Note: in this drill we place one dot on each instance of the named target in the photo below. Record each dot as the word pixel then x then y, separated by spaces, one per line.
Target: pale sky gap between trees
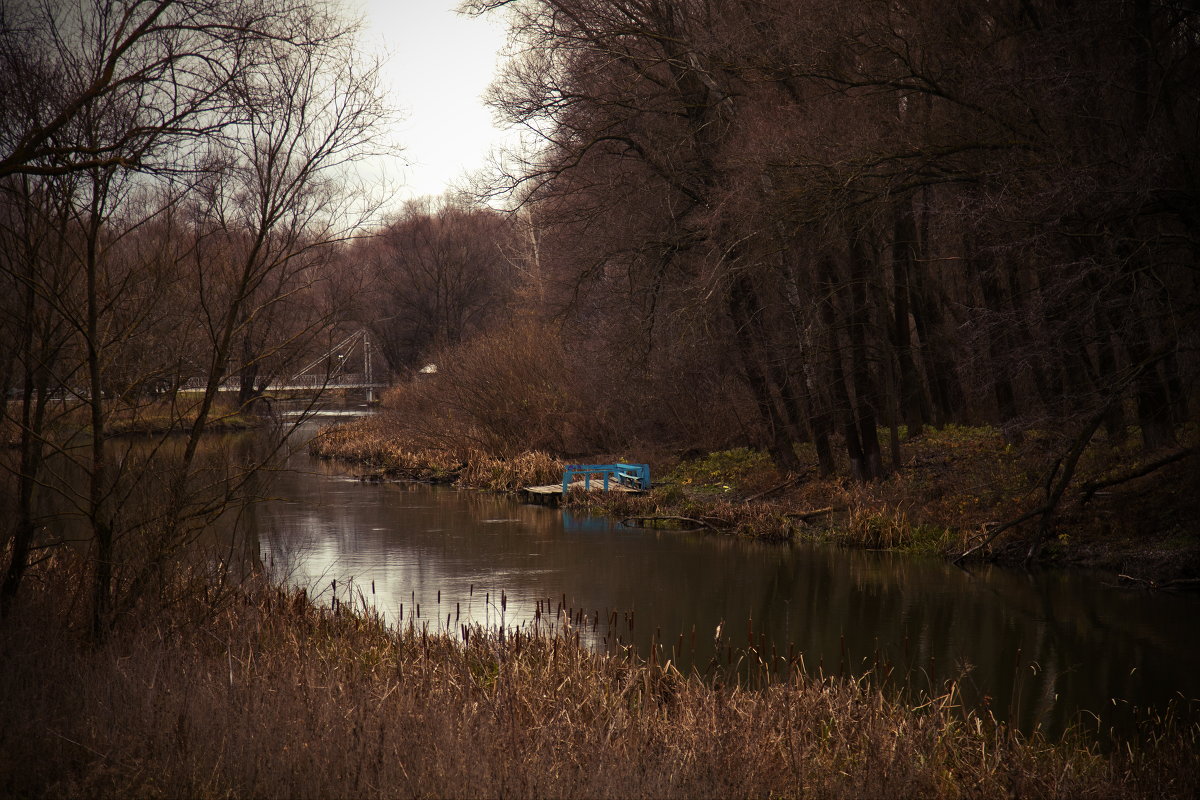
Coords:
pixel 439 64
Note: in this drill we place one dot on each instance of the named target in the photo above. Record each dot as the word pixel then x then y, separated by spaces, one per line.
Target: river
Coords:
pixel 1043 648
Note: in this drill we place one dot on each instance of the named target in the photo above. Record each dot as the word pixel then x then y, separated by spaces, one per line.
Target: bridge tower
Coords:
pixel 367 375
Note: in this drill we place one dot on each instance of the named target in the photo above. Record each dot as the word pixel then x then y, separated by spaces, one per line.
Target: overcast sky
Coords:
pixel 439 65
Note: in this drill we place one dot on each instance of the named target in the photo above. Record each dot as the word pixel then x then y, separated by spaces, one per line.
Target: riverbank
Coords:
pixel 150 419
pixel 253 690
pixel 1124 512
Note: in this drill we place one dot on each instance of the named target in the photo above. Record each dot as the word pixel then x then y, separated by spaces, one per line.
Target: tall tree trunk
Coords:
pixel 946 394
pixel 102 531
pixel 1175 390
pixel 836 376
pixel 1106 379
pixel 815 413
pixel 904 247
pixel 1000 343
pixel 1021 326
pixel 248 374
pixel 865 392
pixel 1153 404
pixel 742 307
pixel 33 405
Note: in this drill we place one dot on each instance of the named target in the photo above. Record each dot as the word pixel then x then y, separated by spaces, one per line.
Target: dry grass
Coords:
pixel 160 417
pixel 267 696
pixel 151 417
pixel 531 468
pixel 381 444
pixel 374 443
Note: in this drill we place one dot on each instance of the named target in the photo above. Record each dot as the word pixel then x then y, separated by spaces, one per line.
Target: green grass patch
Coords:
pixel 724 471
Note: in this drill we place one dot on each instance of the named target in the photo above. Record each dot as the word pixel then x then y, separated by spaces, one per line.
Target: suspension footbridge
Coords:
pixel 336 369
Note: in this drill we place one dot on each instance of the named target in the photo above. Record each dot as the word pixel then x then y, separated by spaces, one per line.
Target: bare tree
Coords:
pixel 202 171
pixel 168 63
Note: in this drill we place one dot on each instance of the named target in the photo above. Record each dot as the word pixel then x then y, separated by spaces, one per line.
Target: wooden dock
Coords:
pixel 552 494
pixel 620 477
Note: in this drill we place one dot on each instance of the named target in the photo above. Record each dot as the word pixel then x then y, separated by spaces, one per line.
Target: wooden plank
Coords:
pixel 597 486
pixel 553 491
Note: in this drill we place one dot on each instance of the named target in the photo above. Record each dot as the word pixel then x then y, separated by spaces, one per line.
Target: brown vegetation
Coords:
pixel 438 274
pixel 1124 511
pixel 907 275
pixel 369 442
pixel 256 692
pixel 958 485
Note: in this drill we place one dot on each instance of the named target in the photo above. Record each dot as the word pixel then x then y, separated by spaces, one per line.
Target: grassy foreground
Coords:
pixel 255 692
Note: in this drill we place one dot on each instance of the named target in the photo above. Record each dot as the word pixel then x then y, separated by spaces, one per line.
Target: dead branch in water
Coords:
pixel 1124 579
pixel 637 521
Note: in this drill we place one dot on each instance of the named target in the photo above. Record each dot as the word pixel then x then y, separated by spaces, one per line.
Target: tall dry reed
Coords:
pixel 529 468
pixel 266 695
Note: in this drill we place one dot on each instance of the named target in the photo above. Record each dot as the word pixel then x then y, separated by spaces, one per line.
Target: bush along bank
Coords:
pixel 262 691
pixel 958 490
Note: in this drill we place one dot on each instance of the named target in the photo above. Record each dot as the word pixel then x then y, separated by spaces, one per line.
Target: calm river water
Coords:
pixel 1043 646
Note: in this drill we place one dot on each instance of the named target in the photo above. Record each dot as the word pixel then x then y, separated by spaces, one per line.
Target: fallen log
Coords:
pixel 1091 487
pixel 1058 477
pixel 990 534
pixel 805 516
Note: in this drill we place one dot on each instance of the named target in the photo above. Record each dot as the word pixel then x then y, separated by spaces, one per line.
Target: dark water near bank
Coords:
pixel 1042 646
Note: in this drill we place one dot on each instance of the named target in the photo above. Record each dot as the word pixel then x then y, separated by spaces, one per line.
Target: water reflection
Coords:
pixel 1041 646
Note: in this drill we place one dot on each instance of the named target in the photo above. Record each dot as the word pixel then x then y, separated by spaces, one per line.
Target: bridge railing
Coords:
pixel 322 381
pixel 635 476
pixel 340 380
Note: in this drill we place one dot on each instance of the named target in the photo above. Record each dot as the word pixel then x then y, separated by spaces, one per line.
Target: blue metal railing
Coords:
pixel 635 476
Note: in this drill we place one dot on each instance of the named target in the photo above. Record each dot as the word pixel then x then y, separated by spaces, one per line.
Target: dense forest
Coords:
pixel 775 223
pixel 811 222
